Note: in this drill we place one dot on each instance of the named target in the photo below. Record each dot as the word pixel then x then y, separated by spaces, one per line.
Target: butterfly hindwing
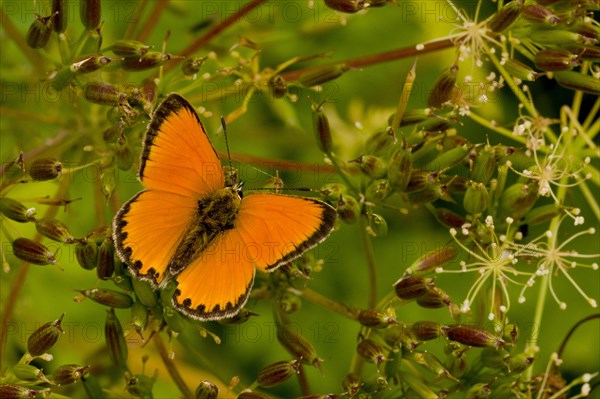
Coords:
pixel 177 155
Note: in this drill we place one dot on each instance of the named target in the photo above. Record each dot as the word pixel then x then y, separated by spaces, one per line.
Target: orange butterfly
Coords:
pixel 189 226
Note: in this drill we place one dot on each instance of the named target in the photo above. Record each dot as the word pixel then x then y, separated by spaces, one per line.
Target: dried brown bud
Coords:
pixel 432 259
pixel 434 298
pixel 90 12
pixel 322 74
pixel 443 88
pixel 556 60
pixel 106 259
pixel 44 338
pixel 14 210
pixel 472 336
pixel 87 254
pixel 68 374
pixel 115 340
pixel 39 32
pixel 45 169
pixel 372 351
pixel 297 345
pixel 151 59
pixel 278 85
pixel 103 94
pixel 538 13
pixel 32 252
pixel 504 17
pixel 60 15
pixel 426 330
pixel 276 373
pixel 347 6
pixel 206 390
pixel 411 287
pixel 322 130
pixel 55 230
pixel 90 64
pixel 348 209
pixel 130 48
pixel 375 319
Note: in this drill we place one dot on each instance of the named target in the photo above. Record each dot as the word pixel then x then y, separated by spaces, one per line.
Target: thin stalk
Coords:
pixel 323 301
pixel 371 267
pixel 159 6
pixel 133 25
pixel 592 200
pixel 303 381
pixel 498 129
pixel 171 368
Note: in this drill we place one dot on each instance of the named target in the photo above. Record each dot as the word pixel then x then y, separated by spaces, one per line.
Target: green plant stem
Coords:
pixel 17 37
pixel 208 36
pixel 498 129
pixel 133 25
pixel 563 344
pixel 371 267
pixel 159 6
pixel 171 368
pixel 323 301
pixel 592 200
pixel 303 381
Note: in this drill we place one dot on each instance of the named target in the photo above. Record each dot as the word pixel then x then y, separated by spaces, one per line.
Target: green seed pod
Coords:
pixel 106 259
pixel 477 198
pixel 412 116
pixel 473 336
pixel 93 42
pixel 347 6
pixel 322 74
pixel 556 37
pixel 289 303
pixel 123 155
pixel 90 64
pixel 380 141
pixel 62 79
pixel 493 358
pixel 456 365
pixel 449 218
pixel 484 165
pixel 505 17
pixel 378 190
pixel 433 191
pixel 371 351
pixel 55 230
pixel 140 386
pixel 115 340
pixel 68 374
pixel 577 81
pixel 191 66
pixel 426 330
pixel 90 13
pixel 541 214
pixel 206 390
pixel 39 32
pixel 587 53
pixel 322 130
pixel 144 292
pixel 332 191
pixel 151 59
pixel 87 254
pixel 45 169
pixel 139 317
pixel 443 88
pixel 517 200
pixel 377 225
pixel 348 209
pixel 434 298
pixel 14 210
pixel 149 90
pixel 103 94
pixel 111 134
pixel 479 391
pixel 511 332
pixel 448 159
pixel 278 86
pixel 556 60
pixel 587 29
pixel 432 260
pixel 28 372
pixel 174 320
pixel 130 48
pixel 417 181
pixel 351 384
pixel 60 15
pixel 32 252
pixel 400 169
pixel 519 70
pixel 108 297
pixel 276 373
pixel 420 388
pixel 375 319
pixel 11 391
pixel 519 363
pixel 540 14
pixel 44 338
pixel 297 345
pixel 371 166
pixel 411 287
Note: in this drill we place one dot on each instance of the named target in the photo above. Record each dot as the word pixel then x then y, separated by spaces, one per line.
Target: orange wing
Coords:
pixel 279 228
pixel 148 229
pixel 217 284
pixel 178 156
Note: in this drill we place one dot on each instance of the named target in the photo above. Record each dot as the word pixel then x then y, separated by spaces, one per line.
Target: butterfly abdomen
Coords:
pixel 216 213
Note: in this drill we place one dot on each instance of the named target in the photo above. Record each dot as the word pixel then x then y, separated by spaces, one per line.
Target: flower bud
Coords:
pixel 371 166
pixel 377 225
pixel 28 372
pixel 473 336
pixel 140 386
pixel 587 53
pixel 519 363
pixel 493 358
pixel 144 292
pixel 448 158
pixel 449 218
pixel 332 191
pixel 577 81
pixel 322 74
pixel 278 86
pixel 400 168
pixel 420 388
pixel 538 13
pixel 505 17
pixel 60 15
pixel 55 230
pixel 556 37
pixel 108 297
pixel 11 391
pixel 433 190
pixel 479 391
pixel 106 259
pixel 434 298
pixel 348 209
pixel 68 374
pixel 123 154
pixel 297 345
pixel 426 330
pixel 347 6
pixel 432 260
pixel 90 13
pixel 443 88
pixel 139 317
pixel 411 287
pixel 206 390
pixel 476 199
pixel 517 200
pixel 322 130
pixel 351 384
pixel 103 94
pixel 32 252
pixel 371 351
pixel 130 48
pixel 556 60
pixel 39 32
pixel 87 254
pixel 44 338
pixel 14 210
pixel 380 141
pixel 378 190
pixel 277 373
pixel 484 165
pixel 541 214
pixel 115 340
pixel 191 66
pixel 289 303
pixel 90 64
pixel 45 169
pixel 151 59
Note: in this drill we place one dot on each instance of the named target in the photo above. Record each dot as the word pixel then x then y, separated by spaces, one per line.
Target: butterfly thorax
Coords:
pixel 216 213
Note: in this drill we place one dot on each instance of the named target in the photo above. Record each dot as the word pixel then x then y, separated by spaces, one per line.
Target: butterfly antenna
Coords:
pixel 226 141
